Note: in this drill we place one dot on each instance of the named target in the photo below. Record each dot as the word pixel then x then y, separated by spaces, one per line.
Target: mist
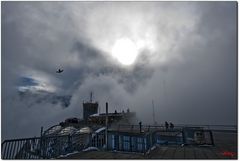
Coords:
pixel 186 62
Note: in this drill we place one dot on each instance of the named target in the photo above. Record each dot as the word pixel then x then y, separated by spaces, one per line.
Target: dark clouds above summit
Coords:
pixel 186 61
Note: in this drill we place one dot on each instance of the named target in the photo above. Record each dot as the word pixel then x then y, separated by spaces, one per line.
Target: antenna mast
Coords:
pixel 91 96
pixel 154 121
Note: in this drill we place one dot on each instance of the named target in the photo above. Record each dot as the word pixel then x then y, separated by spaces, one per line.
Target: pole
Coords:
pixel 106 134
pixel 91 96
pixel 153 113
pixel 140 127
pixel 41 132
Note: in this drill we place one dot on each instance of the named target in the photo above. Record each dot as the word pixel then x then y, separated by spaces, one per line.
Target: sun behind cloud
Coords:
pixel 125 51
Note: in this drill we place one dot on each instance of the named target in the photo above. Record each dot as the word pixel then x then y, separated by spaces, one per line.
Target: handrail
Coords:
pixel 210 126
pixel 43 147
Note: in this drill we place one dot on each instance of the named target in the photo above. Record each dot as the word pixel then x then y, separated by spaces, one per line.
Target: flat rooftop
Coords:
pixel 225 148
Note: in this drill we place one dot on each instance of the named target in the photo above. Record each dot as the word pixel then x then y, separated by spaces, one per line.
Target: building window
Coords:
pixel 120 143
pixel 139 144
pixel 113 142
pixel 126 143
pixel 133 143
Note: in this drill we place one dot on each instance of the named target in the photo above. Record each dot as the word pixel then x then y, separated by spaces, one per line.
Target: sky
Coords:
pixel 181 55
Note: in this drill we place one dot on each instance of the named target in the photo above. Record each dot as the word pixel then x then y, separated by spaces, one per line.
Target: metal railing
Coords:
pixel 212 127
pixel 47 147
pixel 21 148
pixel 180 126
pixel 43 147
pixel 98 139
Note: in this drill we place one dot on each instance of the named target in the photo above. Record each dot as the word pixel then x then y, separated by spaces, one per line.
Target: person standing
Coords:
pixel 166 125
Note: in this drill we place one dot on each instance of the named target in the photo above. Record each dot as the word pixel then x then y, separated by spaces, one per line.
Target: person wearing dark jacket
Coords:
pixel 166 125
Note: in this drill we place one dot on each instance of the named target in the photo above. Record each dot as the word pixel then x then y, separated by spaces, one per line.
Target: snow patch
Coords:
pixel 94 115
pixel 100 129
pixel 91 149
pixel 69 154
pixel 152 148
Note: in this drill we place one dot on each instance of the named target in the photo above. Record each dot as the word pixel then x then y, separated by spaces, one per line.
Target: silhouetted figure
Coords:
pixel 166 125
pixel 59 71
pixel 171 125
pixel 115 112
pixel 128 110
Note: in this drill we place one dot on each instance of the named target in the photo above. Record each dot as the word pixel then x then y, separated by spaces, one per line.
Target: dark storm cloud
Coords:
pixel 187 63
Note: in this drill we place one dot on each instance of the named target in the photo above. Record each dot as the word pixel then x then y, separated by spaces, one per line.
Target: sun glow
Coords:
pixel 125 51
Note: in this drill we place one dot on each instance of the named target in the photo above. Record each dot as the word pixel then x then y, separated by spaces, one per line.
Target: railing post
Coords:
pixel 211 136
pixel 42 152
pixel 183 136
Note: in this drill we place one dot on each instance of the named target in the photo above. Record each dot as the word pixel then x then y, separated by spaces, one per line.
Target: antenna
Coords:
pixel 99 110
pixel 91 96
pixel 154 121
